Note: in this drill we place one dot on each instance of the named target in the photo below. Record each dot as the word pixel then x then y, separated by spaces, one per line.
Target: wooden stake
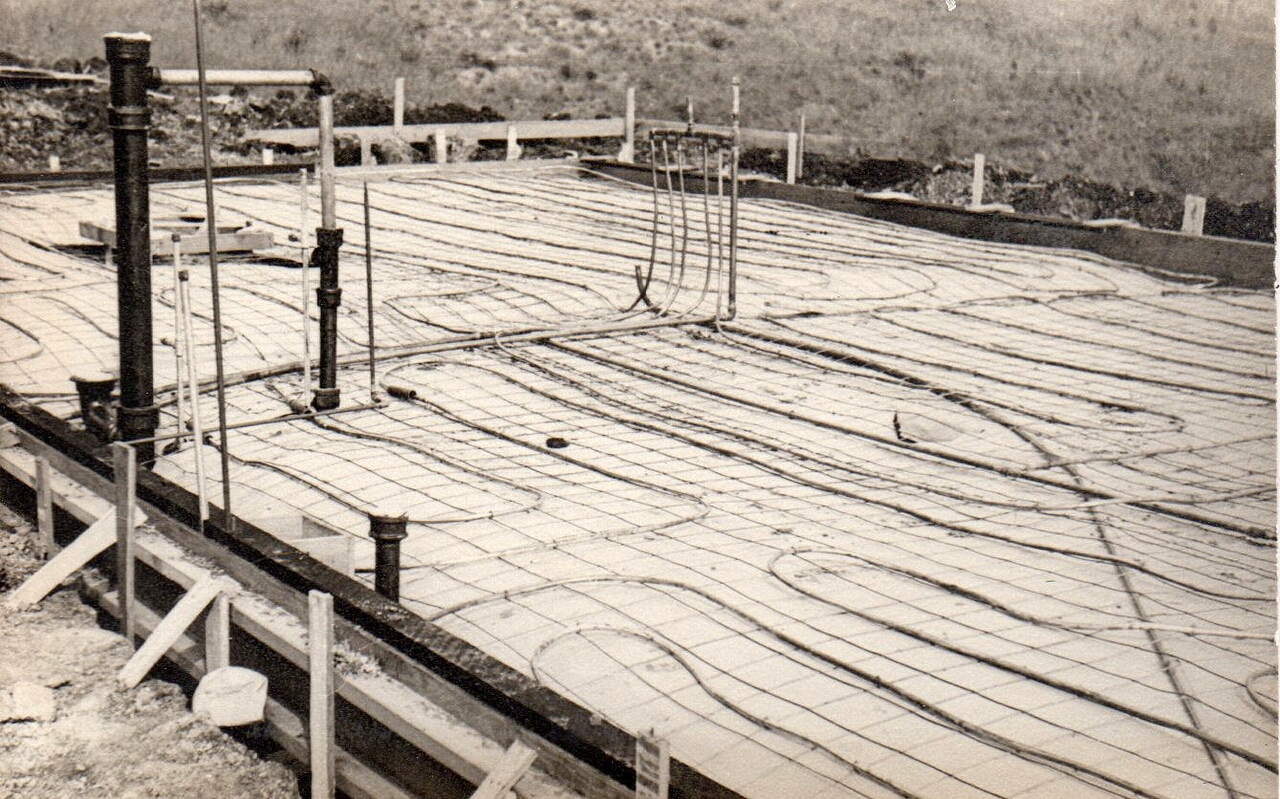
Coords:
pixel 979 178
pixel 55 163
pixel 513 144
pixel 125 463
pixel 442 147
pixel 268 156
pixel 800 151
pixel 628 153
pixel 653 767
pixel 44 507
pixel 366 152
pixel 89 545
pixel 320 721
pixel 508 771
pixel 793 152
pixel 1193 215
pixel 169 630
pixel 397 109
pixel 217 634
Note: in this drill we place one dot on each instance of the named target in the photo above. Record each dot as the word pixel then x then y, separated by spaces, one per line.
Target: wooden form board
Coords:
pixel 472 131
pixel 757 137
pixel 1247 264
pixel 353 777
pixel 194 243
pixel 403 707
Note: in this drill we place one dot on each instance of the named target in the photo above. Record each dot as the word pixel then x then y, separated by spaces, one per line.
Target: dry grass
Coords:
pixel 1176 95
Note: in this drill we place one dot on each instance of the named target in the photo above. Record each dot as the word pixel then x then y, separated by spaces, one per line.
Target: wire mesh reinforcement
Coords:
pixel 931 517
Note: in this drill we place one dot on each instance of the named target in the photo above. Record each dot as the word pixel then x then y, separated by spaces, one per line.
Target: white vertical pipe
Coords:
pixel 176 238
pixel 328 215
pixel 193 385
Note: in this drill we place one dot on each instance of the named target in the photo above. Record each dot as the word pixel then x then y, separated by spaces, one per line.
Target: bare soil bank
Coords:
pixel 71 123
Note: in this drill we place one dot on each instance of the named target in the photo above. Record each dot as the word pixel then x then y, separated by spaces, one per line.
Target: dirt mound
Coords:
pixel 97 740
pixel 71 122
pixel 1073 198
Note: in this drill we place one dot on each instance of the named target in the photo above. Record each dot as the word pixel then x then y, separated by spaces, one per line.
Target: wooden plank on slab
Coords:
pixel 241 240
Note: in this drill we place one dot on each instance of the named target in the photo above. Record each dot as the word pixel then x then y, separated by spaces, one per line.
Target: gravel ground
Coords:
pixel 66 729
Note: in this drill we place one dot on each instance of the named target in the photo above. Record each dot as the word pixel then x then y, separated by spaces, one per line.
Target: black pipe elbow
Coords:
pixel 320 83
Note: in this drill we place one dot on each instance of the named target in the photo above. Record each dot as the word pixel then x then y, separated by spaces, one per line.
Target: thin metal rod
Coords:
pixel 719 231
pixel 306 286
pixel 368 282
pixel 193 386
pixel 284 417
pixel 178 361
pixel 733 203
pixel 210 221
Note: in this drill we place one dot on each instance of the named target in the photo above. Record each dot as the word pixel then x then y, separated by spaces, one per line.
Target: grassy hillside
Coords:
pixel 1176 95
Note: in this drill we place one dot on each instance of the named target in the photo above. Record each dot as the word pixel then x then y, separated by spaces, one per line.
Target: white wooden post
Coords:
pixel 217 634
pixel 800 151
pixel 442 147
pixel 653 767
pixel 44 507
pixel 627 154
pixel 397 109
pixel 1193 215
pixel 55 163
pixel 793 146
pixel 320 718
pixel 268 156
pixel 366 151
pixel 125 462
pixel 979 178
pixel 513 144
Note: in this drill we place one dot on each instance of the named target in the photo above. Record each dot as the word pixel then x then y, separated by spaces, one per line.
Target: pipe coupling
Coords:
pixel 328 298
pixel 134 423
pixel 325 399
pixel 129 117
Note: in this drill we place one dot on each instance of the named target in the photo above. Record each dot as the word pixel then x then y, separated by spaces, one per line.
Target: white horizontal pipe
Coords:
pixel 239 77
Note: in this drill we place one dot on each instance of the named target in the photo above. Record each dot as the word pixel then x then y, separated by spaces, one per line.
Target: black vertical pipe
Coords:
pixel 328 297
pixel 129 117
pixel 325 256
pixel 387 532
